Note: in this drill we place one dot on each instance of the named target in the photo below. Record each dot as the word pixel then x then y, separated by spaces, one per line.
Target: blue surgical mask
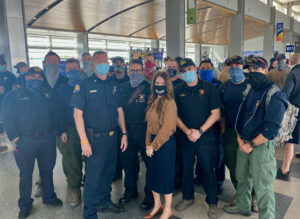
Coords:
pixel 102 69
pixel 2 69
pixel 21 73
pixel 207 75
pixel 136 79
pixel 189 76
pixel 34 85
pixel 236 75
pixel 74 77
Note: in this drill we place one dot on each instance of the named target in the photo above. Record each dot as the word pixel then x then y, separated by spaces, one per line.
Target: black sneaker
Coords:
pixel 24 213
pixel 55 203
pixel 147 204
pixel 297 155
pixel 112 208
pixel 284 177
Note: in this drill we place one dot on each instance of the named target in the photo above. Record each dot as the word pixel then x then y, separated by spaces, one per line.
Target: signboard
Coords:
pixel 158 55
pixel 290 48
pixel 191 12
pixel 279 32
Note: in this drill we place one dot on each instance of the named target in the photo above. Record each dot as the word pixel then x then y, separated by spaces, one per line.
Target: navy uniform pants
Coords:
pixel 100 169
pixel 130 160
pixel 206 153
pixel 42 148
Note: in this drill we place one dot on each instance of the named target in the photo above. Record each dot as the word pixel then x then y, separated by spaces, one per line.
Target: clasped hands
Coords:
pixel 193 135
pixel 244 147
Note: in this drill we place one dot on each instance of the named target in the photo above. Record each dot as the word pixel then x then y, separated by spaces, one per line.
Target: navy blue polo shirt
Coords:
pixel 231 100
pixel 99 101
pixel 24 112
pixel 194 104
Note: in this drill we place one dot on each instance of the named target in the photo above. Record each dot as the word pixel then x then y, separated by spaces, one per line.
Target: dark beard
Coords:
pixel 258 80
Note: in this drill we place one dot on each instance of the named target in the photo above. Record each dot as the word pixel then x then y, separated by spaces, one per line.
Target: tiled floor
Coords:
pixel 287 196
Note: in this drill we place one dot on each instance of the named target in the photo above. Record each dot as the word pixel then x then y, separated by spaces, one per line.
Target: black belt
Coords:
pixel 132 126
pixel 103 134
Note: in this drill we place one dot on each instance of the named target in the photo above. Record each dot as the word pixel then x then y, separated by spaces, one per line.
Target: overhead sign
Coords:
pixel 279 32
pixel 290 48
pixel 158 55
pixel 191 12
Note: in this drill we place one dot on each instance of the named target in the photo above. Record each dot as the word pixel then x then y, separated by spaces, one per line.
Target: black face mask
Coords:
pixel 160 90
pixel 258 80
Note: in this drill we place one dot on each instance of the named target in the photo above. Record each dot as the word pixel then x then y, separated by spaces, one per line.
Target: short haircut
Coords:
pixel 206 61
pixel 167 58
pixel 85 54
pixel 100 52
pixel 148 54
pixel 172 60
pixel 51 53
pixel 117 58
pixel 72 60
pixel 136 61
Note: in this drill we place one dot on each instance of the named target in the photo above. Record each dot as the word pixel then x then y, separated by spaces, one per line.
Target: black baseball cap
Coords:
pixel 281 56
pixel 2 61
pixel 236 60
pixel 257 62
pixel 186 62
pixel 20 65
pixel 34 70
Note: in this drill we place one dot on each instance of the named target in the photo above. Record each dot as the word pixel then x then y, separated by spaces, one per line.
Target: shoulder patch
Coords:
pixel 77 88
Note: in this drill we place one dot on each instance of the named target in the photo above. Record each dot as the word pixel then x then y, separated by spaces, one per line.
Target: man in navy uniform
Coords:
pixel 97 113
pixel 198 105
pixel 135 100
pixel 29 121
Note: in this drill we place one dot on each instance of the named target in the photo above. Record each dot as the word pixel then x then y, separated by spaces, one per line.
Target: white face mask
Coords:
pixel 52 74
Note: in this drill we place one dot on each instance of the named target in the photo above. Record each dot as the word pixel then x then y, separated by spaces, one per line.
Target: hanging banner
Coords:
pixel 191 12
pixel 279 32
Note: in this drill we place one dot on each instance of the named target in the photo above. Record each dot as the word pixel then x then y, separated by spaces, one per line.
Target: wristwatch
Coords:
pixel 252 144
pixel 124 133
pixel 201 131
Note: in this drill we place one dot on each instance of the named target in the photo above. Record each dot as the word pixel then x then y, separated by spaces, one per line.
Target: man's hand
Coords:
pixel 149 151
pixel 86 149
pixel 124 143
pixel 194 135
pixel 246 148
pixel 64 137
pixel 16 140
pixel 240 142
pixel 2 89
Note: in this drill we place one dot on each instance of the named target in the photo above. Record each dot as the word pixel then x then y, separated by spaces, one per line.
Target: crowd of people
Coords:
pixel 187 122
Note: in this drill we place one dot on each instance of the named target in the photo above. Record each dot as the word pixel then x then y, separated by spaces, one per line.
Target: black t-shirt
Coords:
pixel 99 101
pixel 231 100
pixel 135 112
pixel 194 104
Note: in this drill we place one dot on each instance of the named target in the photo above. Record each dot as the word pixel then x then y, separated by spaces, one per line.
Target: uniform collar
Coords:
pixel 95 79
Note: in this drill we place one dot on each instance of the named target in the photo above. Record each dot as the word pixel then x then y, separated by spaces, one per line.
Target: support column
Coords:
pixel 289 9
pixel 236 46
pixel 82 43
pixel 155 45
pixel 175 28
pixel 198 53
pixel 270 3
pixel 269 36
pixel 13 38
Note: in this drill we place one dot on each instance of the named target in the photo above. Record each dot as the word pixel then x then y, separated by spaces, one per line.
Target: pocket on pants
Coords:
pixel 268 171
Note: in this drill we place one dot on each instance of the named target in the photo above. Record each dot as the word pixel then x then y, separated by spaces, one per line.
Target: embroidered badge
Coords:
pixel 93 91
pixel 182 95
pixel 77 88
pixel 25 98
pixel 142 96
pixel 201 91
pixel 47 95
pixel 257 103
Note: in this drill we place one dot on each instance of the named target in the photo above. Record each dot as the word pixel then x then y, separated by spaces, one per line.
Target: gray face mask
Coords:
pixel 52 74
pixel 281 65
pixel 88 68
pixel 136 79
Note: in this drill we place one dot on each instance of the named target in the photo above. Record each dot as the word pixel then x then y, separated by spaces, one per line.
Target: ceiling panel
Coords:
pixel 144 21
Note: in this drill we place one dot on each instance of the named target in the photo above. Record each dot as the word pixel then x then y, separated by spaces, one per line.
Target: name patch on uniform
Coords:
pixel 93 91
pixel 182 95
pixel 77 88
pixel 201 91
pixel 25 98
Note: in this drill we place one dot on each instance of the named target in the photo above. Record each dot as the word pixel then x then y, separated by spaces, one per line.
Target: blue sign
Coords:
pixel 290 48
pixel 158 55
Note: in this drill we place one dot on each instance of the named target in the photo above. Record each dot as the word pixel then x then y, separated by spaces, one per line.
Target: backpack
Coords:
pixel 290 116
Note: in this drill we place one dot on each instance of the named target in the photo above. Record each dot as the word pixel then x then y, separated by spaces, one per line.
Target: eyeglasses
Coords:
pixel 132 71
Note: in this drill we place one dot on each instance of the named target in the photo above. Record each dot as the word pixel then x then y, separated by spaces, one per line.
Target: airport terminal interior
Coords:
pixel 196 29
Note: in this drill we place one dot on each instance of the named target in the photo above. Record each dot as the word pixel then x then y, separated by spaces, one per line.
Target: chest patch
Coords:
pixel 47 95
pixel 76 89
pixel 182 95
pixel 25 98
pixel 201 92
pixel 141 98
pixel 114 90
pixel 93 91
pixel 257 103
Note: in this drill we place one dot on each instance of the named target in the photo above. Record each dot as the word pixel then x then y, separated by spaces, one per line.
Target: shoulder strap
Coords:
pixel 134 95
pixel 274 89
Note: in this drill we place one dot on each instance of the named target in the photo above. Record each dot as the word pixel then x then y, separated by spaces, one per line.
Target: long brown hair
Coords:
pixel 161 104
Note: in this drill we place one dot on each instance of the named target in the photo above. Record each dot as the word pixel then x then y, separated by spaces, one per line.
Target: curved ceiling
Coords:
pixel 134 18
